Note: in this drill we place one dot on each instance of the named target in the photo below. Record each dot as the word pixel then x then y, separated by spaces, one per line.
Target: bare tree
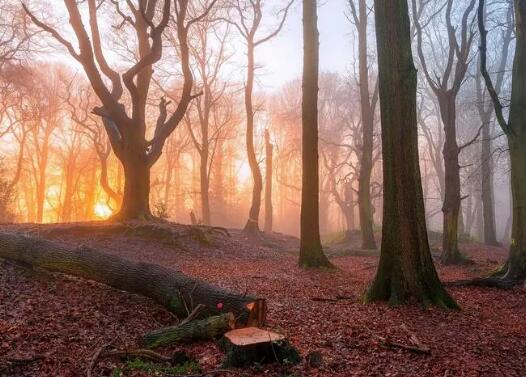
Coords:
pixel 446 87
pixel 15 36
pixel 127 129
pixel 485 113
pixel 208 65
pixel 368 102
pixel 514 271
pixel 247 20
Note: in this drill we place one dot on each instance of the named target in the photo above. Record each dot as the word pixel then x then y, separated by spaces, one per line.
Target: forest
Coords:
pixel 263 188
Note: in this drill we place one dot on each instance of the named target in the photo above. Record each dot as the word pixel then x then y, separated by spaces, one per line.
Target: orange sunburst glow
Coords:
pixel 102 210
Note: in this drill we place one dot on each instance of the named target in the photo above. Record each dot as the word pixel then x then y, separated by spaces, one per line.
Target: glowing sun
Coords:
pixel 102 210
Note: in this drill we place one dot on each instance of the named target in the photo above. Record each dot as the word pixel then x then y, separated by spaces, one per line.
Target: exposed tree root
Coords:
pixel 489 281
pixel 506 277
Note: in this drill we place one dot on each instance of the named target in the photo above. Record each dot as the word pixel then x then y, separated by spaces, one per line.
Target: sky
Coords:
pixel 282 57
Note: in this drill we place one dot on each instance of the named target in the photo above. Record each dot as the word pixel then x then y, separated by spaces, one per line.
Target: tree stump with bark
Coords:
pixel 250 344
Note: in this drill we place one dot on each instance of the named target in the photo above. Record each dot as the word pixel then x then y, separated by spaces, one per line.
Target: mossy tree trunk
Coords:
pixel 406 270
pixel 311 252
pixel 172 289
pixel 136 198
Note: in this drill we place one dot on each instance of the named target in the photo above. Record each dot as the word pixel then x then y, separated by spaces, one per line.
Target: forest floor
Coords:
pixel 62 321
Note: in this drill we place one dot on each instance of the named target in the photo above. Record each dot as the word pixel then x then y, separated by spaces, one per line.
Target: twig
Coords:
pixel 388 343
pixel 329 299
pixel 413 338
pixel 94 359
pixel 195 312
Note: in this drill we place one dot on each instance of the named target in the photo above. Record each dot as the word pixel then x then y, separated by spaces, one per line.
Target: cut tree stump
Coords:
pixel 199 329
pixel 176 291
pixel 249 345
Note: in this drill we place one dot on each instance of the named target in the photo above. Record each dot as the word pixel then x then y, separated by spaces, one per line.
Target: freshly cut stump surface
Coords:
pixel 251 344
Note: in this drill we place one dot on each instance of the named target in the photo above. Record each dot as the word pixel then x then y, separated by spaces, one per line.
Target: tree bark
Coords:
pixel 252 345
pixel 136 198
pixel 311 252
pixel 406 270
pixel 517 145
pixel 170 288
pixel 201 329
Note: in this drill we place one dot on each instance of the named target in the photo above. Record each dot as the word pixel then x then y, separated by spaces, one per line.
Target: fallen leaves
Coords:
pixel 69 319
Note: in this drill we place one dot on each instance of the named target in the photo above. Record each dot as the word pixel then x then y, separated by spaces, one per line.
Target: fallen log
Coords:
pixel 250 345
pixel 176 291
pixel 199 329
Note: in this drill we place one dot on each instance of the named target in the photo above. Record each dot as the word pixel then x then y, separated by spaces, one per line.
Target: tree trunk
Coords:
pixel 406 269
pixel 268 183
pixel 136 198
pixel 170 288
pixel 514 270
pixel 68 177
pixel 205 183
pixel 488 205
pixel 42 180
pixel 90 193
pixel 485 113
pixel 516 265
pixel 311 252
pixel 252 225
pixel 349 206
pixel 451 205
pixel 366 160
